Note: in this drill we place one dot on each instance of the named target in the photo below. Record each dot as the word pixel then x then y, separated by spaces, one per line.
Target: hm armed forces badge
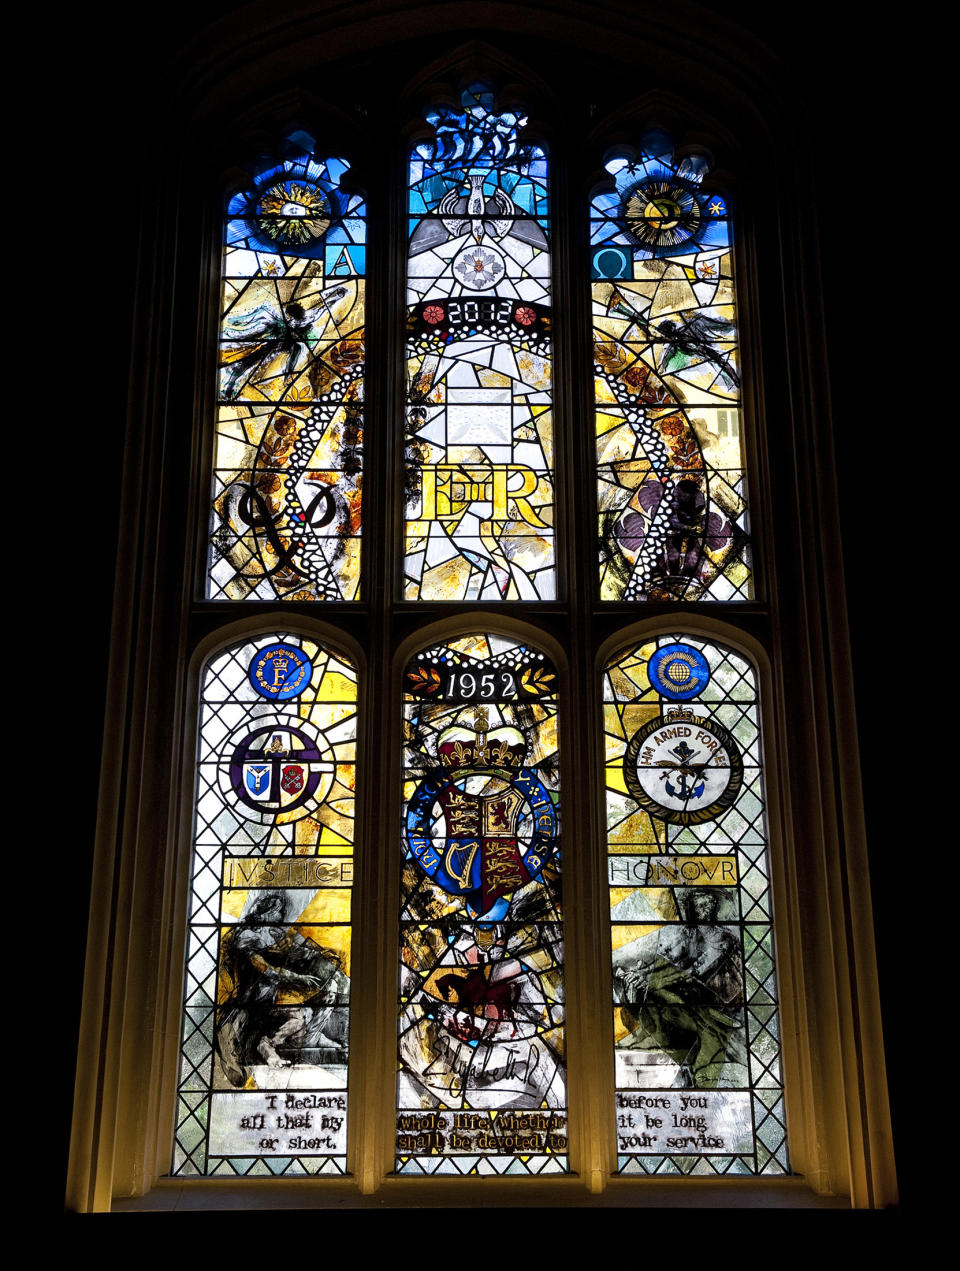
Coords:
pixel 683 768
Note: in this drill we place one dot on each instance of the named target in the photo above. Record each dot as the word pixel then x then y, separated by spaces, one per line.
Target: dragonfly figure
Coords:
pixel 685 342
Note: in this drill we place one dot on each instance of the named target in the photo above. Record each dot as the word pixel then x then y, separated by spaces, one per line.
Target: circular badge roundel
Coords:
pixel 662 214
pixel 683 768
pixel 678 671
pixel 280 671
pixel 479 267
pixel 276 764
pixel 293 213
pixel 481 825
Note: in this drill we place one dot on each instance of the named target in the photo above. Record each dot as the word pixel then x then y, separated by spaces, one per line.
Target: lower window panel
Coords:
pixel 265 1037
pixel 481 1087
pixel 696 1032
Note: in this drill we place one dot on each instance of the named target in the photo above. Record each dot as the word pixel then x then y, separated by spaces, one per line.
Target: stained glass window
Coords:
pixel 481 1087
pixel 263 1068
pixel 477 204
pixel 698 1082
pixel 286 512
pixel 670 480
pixel 479 430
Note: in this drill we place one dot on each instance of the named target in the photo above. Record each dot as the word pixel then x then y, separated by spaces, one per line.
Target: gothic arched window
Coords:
pixel 490 332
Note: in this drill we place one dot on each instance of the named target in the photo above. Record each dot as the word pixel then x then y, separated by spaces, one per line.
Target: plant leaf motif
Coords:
pixel 424 680
pixel 537 681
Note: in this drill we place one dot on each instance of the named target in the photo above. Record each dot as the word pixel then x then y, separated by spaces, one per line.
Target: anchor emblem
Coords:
pixel 684 770
pixel 683 767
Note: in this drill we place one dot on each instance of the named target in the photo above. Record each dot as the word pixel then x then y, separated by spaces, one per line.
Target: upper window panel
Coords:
pixel 670 476
pixel 479 428
pixel 285 521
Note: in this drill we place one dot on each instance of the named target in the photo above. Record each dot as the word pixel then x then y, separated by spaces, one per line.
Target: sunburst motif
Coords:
pixel 661 213
pixel 293 213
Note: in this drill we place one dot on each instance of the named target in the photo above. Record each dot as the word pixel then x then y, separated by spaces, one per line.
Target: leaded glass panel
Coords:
pixel 264 1044
pixel 479 426
pixel 286 513
pixel 671 491
pixel 698 1080
pixel 481 1087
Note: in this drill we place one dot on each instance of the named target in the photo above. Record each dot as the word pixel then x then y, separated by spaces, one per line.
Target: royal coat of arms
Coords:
pixel 481 824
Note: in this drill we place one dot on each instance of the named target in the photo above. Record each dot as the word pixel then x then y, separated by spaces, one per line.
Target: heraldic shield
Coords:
pixel 481 825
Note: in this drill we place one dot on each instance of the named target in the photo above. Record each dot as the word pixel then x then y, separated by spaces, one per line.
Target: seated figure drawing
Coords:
pixel 282 999
pixel 680 992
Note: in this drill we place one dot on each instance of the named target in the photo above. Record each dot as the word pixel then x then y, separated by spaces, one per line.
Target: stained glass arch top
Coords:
pixel 288 453
pixel 479 426
pixel 670 472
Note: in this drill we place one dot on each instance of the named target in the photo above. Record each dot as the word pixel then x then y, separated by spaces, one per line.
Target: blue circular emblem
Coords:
pixel 679 672
pixel 280 671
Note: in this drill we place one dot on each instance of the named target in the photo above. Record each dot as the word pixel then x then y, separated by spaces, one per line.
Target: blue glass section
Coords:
pixel 655 175
pixel 356 229
pixel 342 260
pixel 336 169
pixel 717 234
pixel 611 262
pixel 679 671
pixel 259 214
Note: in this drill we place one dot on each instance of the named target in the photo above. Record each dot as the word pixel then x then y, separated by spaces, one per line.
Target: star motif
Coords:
pixel 717 208
pixel 478 266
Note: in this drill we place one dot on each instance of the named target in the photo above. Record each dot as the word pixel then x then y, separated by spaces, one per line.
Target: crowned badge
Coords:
pixel 481 825
pixel 683 767
pixel 280 672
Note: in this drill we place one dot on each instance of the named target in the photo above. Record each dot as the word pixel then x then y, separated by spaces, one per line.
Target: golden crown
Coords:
pixel 684 714
pixel 463 749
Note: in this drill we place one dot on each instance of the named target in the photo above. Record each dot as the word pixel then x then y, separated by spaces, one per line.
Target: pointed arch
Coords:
pixel 594 53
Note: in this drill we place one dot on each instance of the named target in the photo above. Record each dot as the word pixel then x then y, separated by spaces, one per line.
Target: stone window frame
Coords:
pixel 795 633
